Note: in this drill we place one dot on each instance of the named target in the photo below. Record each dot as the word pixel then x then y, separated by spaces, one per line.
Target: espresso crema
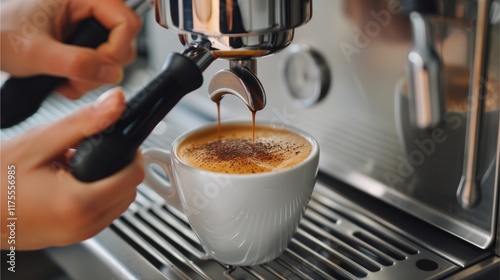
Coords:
pixel 236 152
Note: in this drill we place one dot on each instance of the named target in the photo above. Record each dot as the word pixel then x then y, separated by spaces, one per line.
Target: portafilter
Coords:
pixel 239 31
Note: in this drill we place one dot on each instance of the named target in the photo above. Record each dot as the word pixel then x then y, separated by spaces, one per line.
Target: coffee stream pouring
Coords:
pixel 239 31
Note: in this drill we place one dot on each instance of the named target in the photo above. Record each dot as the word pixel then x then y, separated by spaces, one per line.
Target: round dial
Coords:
pixel 306 75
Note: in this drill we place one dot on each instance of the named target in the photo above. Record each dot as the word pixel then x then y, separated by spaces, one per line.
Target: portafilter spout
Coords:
pixel 241 82
pixel 209 29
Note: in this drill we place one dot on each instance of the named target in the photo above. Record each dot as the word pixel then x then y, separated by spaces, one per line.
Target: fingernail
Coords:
pixel 110 73
pixel 106 100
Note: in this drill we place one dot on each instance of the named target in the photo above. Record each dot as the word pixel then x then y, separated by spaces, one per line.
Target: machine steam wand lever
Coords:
pixel 469 190
pixel 107 152
pixel 424 76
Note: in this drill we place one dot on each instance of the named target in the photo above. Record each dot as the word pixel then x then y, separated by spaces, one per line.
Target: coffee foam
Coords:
pixel 235 152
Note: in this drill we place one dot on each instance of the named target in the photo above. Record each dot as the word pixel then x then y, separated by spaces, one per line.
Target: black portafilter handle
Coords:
pixel 22 97
pixel 105 153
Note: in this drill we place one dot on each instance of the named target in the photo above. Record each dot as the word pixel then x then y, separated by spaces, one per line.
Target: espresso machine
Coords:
pixel 403 98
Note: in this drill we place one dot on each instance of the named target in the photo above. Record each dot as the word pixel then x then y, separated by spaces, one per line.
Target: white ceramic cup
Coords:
pixel 240 219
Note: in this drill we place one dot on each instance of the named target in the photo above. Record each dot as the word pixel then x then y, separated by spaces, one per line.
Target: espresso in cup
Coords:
pixel 237 150
pixel 243 198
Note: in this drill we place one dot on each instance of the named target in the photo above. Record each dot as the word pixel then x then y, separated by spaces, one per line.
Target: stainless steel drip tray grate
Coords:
pixel 331 243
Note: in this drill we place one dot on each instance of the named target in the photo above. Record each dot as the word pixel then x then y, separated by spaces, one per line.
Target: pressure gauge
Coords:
pixel 306 75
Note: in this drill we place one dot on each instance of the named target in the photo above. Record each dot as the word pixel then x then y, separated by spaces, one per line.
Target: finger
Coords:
pixel 63 160
pixel 68 154
pixel 117 209
pixel 130 54
pixel 76 89
pixel 59 136
pixel 107 199
pixel 69 91
pixel 90 224
pixel 91 199
pixel 123 25
pixel 105 218
pixel 75 63
pixel 60 162
pixel 109 189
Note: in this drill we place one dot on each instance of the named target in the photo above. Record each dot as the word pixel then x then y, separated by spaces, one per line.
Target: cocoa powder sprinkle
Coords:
pixel 236 153
pixel 237 149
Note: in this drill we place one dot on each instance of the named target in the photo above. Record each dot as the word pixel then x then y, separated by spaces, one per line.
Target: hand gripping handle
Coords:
pixel 22 97
pixel 107 152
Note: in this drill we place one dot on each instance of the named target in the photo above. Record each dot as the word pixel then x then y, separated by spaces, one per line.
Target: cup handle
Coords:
pixel 166 189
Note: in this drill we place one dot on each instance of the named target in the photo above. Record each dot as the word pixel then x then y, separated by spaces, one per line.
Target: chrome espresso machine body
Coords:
pixel 403 99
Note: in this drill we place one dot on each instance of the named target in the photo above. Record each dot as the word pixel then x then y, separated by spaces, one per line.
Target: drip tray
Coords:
pixel 331 243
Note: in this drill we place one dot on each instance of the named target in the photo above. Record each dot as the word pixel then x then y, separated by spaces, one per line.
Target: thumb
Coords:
pixel 76 63
pixel 58 137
